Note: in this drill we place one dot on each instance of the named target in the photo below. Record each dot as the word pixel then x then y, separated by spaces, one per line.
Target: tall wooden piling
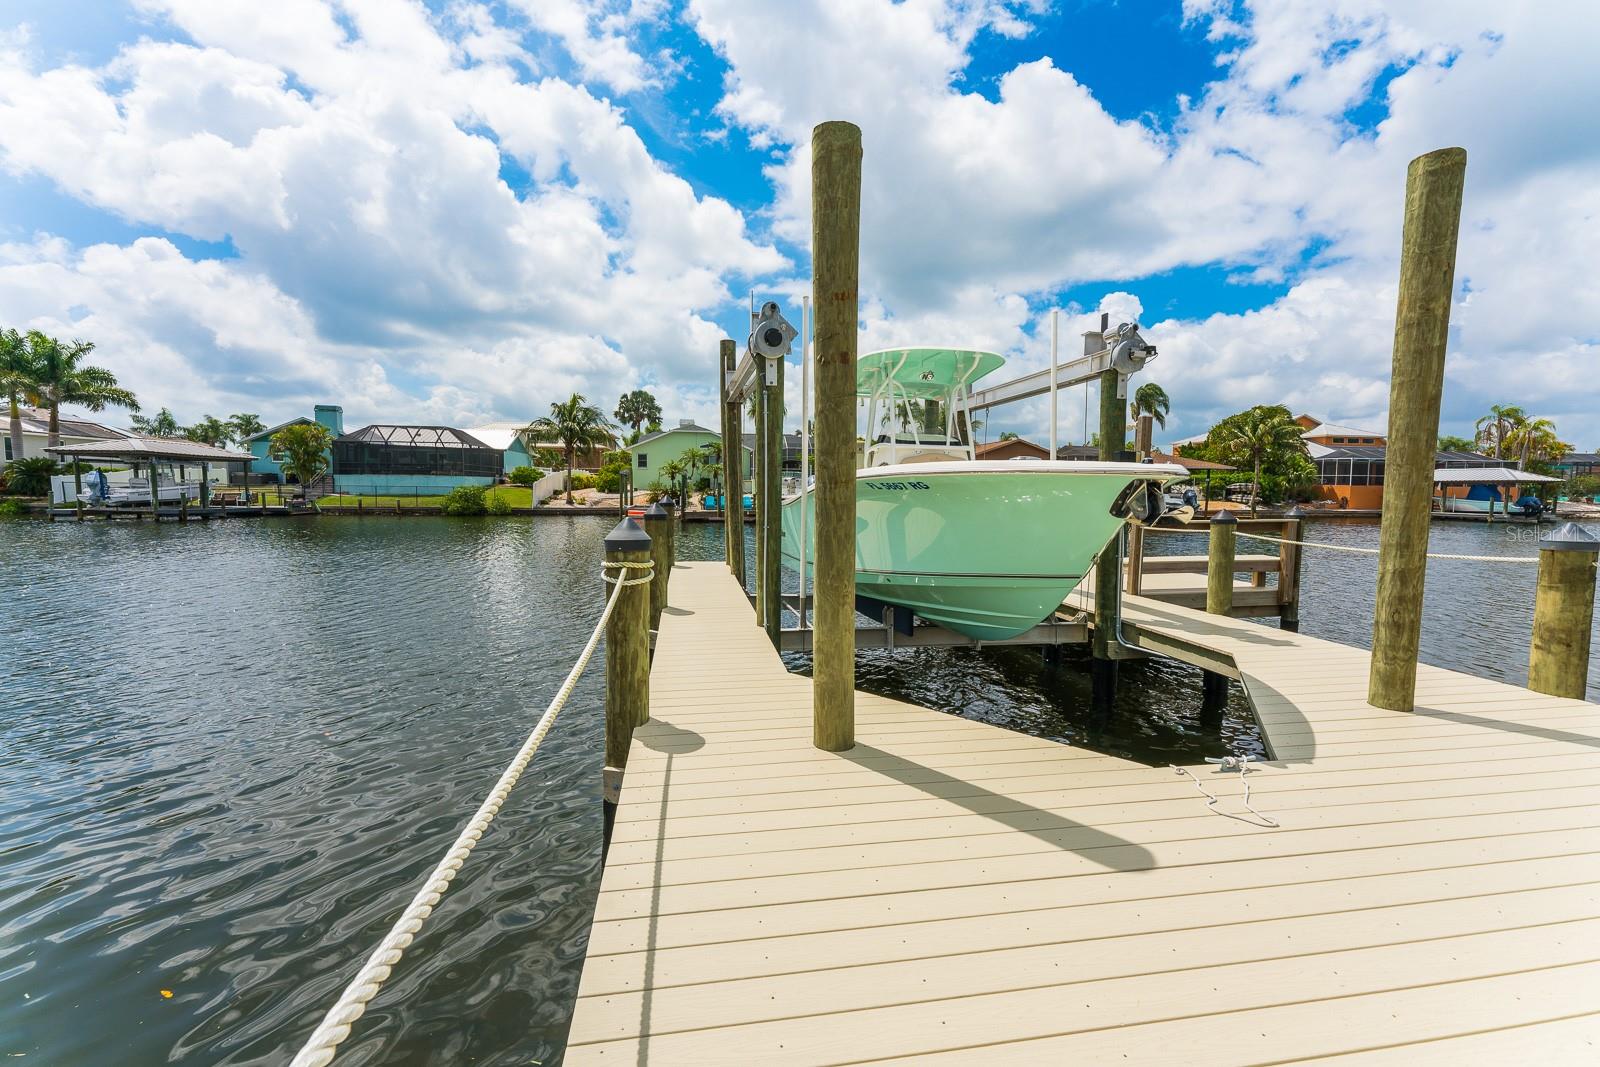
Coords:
pixel 732 461
pixel 1421 333
pixel 627 657
pixel 835 257
pixel 1143 435
pixel 758 498
pixel 771 504
pixel 1563 613
pixel 656 520
pixel 1108 569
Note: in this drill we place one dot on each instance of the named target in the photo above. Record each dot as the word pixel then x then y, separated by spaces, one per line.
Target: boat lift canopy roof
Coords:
pixel 147 449
pixel 923 373
pixel 1487 476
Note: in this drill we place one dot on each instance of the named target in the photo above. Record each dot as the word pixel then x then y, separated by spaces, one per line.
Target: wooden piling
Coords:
pixel 1143 435
pixel 1563 613
pixel 732 462
pixel 835 258
pixel 771 505
pixel 758 498
pixel 1219 563
pixel 656 518
pixel 1290 562
pixel 1421 333
pixel 1108 569
pixel 627 657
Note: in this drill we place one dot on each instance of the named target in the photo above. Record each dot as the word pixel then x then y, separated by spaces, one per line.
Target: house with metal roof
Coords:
pixel 36 433
pixel 509 439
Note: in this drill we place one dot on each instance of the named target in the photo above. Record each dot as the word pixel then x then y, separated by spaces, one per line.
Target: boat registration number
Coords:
pixel 898 487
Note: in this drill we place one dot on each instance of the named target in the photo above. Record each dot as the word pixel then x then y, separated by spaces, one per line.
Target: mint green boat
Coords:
pixel 988 548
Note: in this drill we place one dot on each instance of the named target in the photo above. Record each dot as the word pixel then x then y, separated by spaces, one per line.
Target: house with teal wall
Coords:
pixel 329 416
pixel 653 450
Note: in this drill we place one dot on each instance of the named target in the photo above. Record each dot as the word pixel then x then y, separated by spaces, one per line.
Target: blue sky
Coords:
pixel 462 212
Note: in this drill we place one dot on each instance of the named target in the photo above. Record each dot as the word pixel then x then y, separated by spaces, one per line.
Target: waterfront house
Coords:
pixel 328 416
pixel 1011 448
pixel 508 438
pixel 1579 464
pixel 396 460
pixel 36 433
pixel 653 450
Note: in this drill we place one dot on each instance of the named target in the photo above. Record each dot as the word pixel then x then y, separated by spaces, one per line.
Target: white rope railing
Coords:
pixel 319 1048
pixel 1374 551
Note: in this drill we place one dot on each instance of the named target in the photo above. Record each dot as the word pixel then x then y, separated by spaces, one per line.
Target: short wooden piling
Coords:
pixel 627 657
pixel 656 520
pixel 835 258
pixel 1563 613
pixel 1219 563
pixel 1290 562
pixel 1421 332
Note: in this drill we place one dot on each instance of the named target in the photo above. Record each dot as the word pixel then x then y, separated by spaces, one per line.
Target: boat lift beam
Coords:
pixel 1121 350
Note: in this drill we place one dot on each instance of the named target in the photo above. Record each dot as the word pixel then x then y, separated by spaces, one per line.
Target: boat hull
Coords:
pixel 986 549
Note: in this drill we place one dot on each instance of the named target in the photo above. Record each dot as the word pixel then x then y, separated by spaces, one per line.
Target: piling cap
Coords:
pixel 1223 515
pixel 627 536
pixel 1569 537
pixel 655 511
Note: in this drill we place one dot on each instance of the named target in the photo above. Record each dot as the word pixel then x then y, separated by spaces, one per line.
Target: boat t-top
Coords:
pixel 989 548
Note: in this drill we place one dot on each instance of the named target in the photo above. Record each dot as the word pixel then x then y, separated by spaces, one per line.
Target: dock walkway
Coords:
pixel 950 891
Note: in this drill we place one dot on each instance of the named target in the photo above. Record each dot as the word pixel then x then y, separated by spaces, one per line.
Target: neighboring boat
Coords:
pixel 135 492
pixel 989 548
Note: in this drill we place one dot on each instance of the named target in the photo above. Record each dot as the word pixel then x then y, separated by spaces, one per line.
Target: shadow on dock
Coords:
pixel 1097 846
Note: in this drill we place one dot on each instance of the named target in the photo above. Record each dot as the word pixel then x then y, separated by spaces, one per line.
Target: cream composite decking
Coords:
pixel 951 891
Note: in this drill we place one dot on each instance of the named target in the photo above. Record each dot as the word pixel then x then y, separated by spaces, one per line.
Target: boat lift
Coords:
pixel 1122 350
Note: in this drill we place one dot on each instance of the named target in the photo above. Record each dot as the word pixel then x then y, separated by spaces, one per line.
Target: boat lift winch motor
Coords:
pixel 770 338
pixel 1129 353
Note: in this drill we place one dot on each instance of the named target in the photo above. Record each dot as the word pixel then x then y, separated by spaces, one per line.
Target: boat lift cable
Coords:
pixel 1228 763
pixel 320 1047
pixel 1374 551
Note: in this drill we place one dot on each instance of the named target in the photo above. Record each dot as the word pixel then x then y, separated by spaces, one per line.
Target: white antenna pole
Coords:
pixel 1055 331
pixel 805 443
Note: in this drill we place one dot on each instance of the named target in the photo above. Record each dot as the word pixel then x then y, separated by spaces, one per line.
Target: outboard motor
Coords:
pixel 1144 504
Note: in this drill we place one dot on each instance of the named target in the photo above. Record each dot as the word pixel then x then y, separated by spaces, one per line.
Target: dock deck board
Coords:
pixel 951 889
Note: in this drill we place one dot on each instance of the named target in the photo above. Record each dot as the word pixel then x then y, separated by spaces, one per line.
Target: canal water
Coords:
pixel 230 751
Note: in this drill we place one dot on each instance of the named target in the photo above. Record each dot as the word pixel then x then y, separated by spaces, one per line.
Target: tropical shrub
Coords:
pixel 12 508
pixel 466 500
pixel 499 505
pixel 609 479
pixel 580 480
pixel 525 475
pixel 30 476
pixel 656 490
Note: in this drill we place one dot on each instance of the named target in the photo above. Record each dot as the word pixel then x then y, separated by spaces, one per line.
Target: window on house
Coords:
pixel 8 448
pixel 643 461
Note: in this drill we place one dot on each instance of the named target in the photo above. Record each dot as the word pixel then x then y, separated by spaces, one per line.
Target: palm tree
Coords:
pixel 244 427
pixel 1495 427
pixel 1259 436
pixel 674 471
pixel 162 424
pixel 17 375
pixel 63 379
pixel 210 431
pixel 302 450
pixel 1536 438
pixel 576 423
pixel 636 409
pixel 1150 399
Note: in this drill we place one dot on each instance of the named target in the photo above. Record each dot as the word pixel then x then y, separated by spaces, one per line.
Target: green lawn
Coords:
pixel 518 496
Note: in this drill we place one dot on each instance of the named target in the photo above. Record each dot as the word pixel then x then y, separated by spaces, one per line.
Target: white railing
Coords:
pixel 548 486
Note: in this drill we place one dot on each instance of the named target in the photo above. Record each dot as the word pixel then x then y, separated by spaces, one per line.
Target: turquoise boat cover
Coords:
pixel 924 373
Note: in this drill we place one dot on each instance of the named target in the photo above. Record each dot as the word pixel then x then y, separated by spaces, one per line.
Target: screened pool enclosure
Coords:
pixel 412 451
